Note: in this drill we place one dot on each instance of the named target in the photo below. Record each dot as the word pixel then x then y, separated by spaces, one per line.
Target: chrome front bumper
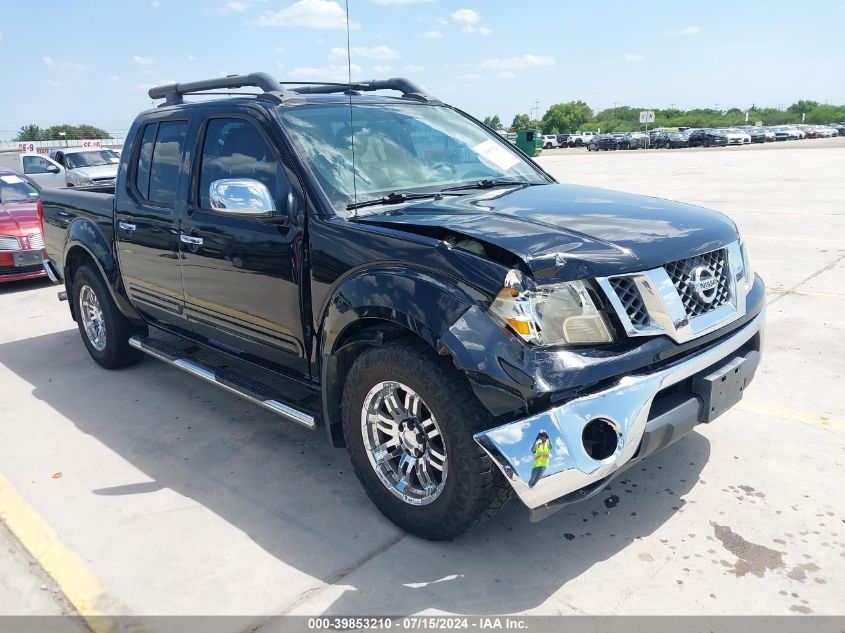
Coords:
pixel 626 405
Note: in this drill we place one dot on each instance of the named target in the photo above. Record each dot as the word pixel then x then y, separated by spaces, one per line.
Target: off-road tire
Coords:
pixel 117 352
pixel 474 489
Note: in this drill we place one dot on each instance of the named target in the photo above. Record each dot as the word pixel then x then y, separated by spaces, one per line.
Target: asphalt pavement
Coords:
pixel 145 491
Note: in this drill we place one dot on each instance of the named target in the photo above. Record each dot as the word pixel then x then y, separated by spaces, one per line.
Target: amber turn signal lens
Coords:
pixel 520 326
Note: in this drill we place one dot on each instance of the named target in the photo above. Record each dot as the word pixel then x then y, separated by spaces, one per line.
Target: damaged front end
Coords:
pixel 595 436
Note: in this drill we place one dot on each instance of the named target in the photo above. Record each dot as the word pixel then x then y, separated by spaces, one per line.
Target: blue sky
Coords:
pixel 91 61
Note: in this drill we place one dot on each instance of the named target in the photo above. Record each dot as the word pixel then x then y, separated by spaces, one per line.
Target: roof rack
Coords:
pixel 173 93
pixel 408 88
pixel 276 91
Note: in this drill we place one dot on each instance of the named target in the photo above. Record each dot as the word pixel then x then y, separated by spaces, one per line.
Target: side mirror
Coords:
pixel 53 169
pixel 244 198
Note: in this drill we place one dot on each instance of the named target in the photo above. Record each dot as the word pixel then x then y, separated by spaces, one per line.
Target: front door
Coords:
pixel 147 216
pixel 44 171
pixel 242 276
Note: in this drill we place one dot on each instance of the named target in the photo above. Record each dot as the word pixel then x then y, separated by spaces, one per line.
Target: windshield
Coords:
pixel 89 159
pixel 399 147
pixel 15 189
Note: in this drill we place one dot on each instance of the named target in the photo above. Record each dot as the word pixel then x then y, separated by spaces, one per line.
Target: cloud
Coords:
pixel 142 61
pixel 54 84
pixel 633 57
pixel 393 2
pixel 48 60
pixel 372 52
pixel 235 6
pixel 470 77
pixel 414 69
pixel 312 14
pixel 506 74
pixel 332 72
pixel 1 37
pixel 470 21
pixel 382 70
pixel 520 61
pixel 466 16
pixel 143 87
pixel 689 30
pixel 191 58
pixel 74 67
pixel 433 34
pixel 114 78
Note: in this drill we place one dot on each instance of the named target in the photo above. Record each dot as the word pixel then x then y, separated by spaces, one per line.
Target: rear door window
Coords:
pixel 142 173
pixel 166 160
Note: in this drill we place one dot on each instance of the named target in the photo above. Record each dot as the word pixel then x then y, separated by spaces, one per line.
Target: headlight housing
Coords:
pixel 82 179
pixel 747 269
pixel 556 314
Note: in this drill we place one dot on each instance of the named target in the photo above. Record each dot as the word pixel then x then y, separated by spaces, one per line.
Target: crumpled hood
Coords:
pixel 572 232
pixel 19 218
pixel 99 171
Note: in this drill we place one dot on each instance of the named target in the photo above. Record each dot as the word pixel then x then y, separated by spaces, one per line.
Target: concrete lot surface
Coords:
pixel 145 491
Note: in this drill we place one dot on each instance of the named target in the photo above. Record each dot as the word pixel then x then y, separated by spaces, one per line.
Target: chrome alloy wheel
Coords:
pixel 403 442
pixel 92 318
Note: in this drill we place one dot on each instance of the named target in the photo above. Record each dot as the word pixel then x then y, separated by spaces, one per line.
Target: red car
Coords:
pixel 21 228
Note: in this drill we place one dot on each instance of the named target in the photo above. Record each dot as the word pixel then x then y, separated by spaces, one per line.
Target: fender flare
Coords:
pixel 369 305
pixel 84 234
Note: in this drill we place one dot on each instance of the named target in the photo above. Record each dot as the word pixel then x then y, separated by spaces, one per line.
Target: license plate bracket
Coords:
pixel 722 387
pixel 26 258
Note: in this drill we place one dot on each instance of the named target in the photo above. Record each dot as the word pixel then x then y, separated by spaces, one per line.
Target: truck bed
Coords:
pixel 62 207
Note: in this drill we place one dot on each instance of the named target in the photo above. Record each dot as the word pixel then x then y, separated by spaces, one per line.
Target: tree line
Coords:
pixel 569 117
pixel 33 132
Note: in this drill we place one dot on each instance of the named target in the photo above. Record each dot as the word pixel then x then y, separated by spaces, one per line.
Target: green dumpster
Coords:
pixel 530 141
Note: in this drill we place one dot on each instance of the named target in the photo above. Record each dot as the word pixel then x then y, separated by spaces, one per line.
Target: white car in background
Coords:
pixel 737 137
pixel 550 141
pixel 70 167
pixel 794 132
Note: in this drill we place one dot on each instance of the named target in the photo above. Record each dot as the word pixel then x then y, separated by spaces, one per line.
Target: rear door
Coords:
pixel 44 171
pixel 242 275
pixel 147 211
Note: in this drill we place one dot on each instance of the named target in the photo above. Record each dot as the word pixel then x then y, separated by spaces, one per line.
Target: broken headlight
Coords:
pixel 556 314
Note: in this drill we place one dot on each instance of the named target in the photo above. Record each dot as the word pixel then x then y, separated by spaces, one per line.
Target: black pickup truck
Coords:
pixel 386 269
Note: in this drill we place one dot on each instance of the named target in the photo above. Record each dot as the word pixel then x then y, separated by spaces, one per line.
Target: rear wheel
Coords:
pixel 105 331
pixel 408 421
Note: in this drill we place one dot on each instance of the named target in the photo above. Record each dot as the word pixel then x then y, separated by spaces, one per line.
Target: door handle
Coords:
pixel 190 239
pixel 126 226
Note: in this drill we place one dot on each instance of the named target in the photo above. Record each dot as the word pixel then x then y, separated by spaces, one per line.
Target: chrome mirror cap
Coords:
pixel 245 197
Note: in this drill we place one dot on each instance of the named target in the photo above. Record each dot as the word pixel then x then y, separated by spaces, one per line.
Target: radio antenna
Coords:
pixel 351 126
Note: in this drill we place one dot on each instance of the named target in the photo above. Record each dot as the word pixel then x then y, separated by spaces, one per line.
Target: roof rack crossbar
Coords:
pixel 407 87
pixel 173 93
pixel 271 88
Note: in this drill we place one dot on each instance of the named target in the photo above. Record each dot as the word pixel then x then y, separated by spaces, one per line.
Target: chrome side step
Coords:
pixel 237 384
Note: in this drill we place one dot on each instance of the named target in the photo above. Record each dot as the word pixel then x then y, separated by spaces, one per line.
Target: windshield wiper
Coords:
pixel 394 197
pixel 488 183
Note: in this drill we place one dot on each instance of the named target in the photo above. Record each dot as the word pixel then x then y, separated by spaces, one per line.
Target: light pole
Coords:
pixel 64 134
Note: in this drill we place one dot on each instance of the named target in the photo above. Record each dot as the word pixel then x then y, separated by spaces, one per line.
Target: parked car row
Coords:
pixel 692 137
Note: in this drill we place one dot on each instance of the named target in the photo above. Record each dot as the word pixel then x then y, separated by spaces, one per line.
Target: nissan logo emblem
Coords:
pixel 704 283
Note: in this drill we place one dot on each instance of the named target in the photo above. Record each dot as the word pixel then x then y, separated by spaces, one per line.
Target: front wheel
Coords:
pixel 105 331
pixel 408 422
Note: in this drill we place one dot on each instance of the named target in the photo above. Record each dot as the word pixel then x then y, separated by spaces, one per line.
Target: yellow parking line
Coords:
pixel 71 574
pixel 795 416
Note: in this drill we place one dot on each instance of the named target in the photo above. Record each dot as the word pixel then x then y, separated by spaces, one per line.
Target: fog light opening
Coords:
pixel 600 438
